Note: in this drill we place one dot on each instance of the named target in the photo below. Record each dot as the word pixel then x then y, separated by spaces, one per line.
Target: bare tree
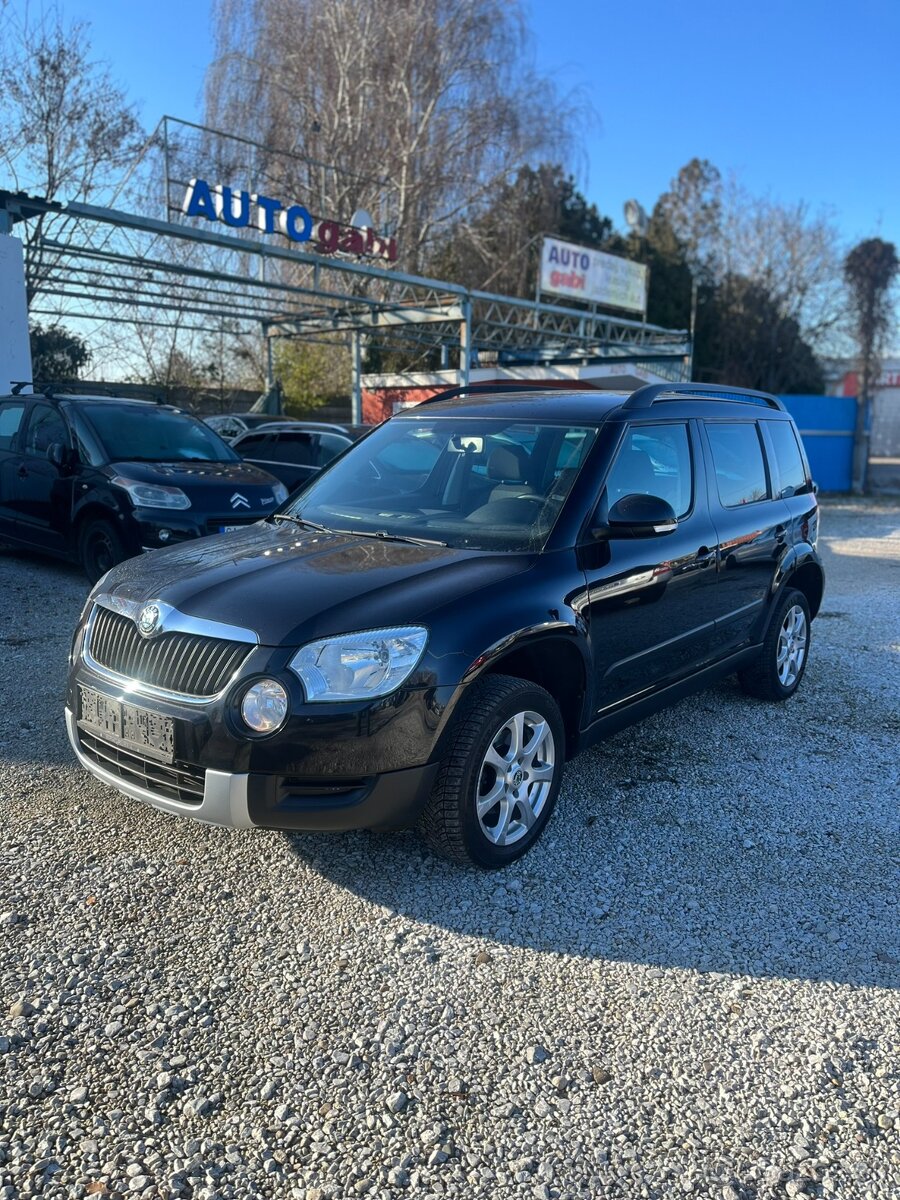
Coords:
pixel 769 269
pixel 419 107
pixel 65 127
pixel 791 252
pixel 869 269
pixel 690 212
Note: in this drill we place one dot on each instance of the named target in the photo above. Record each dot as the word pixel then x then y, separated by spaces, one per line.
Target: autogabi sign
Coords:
pixel 591 275
pixel 242 209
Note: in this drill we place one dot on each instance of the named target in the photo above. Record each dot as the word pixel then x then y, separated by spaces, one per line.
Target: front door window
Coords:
pixel 654 460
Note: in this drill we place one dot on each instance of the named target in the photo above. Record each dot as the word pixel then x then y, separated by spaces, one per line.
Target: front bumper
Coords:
pixel 245 800
pixel 156 529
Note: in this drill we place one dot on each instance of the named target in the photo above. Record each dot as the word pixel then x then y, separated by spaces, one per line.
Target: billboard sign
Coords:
pixel 243 208
pixel 592 276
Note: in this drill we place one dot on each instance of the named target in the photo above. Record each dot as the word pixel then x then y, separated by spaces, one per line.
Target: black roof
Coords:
pixel 549 404
pixel 591 405
pixel 129 401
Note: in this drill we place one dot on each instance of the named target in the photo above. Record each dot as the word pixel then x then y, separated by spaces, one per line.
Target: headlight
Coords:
pixel 359 666
pixel 264 706
pixel 152 495
pixel 281 493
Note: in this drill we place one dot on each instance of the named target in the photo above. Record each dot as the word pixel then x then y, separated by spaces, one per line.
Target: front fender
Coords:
pixel 552 654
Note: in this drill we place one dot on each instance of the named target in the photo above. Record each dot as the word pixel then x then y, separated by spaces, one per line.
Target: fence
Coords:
pixel 826 426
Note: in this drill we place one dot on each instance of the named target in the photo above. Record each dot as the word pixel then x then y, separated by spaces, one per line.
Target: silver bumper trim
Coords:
pixel 224 794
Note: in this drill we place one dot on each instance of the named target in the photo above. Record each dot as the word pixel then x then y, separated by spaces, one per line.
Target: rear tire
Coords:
pixel 775 675
pixel 99 548
pixel 499 781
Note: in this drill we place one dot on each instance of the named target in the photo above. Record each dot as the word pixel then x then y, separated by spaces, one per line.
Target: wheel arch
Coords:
pixel 93 510
pixel 808 578
pixel 555 662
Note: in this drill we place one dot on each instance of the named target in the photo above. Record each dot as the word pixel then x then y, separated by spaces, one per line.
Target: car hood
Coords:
pixel 290 585
pixel 212 483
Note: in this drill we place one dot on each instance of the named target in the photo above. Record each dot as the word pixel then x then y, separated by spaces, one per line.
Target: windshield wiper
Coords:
pixel 390 537
pixel 369 533
pixel 302 521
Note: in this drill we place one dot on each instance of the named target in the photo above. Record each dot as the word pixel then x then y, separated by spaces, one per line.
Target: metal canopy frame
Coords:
pixel 108 265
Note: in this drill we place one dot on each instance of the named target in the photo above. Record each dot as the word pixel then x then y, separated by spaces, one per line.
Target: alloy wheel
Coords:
pixel 792 638
pixel 515 778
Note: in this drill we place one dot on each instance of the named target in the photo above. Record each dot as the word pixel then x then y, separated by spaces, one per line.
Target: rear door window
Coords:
pixel 738 461
pixel 254 445
pixel 789 469
pixel 298 449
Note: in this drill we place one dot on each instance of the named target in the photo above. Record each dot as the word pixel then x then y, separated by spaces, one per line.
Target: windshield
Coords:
pixel 146 433
pixel 476 482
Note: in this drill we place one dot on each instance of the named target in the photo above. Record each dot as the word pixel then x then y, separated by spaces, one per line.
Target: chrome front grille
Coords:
pixel 186 663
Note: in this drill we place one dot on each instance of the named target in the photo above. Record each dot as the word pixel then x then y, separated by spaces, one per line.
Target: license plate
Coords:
pixel 128 726
pixel 229 528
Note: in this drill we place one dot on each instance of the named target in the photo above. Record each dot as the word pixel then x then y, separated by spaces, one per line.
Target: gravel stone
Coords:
pixel 536 1054
pixel 703 1006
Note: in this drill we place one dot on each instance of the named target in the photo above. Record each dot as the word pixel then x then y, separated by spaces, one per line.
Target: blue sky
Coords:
pixel 800 97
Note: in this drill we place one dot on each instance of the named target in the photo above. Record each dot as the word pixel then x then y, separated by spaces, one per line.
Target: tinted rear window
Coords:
pixel 738 459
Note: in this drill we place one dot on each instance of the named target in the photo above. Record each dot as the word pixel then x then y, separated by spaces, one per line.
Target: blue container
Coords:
pixel 826 425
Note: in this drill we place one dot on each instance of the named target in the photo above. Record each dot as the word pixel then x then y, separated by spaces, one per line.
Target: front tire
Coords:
pixel 775 675
pixel 99 548
pixel 500 777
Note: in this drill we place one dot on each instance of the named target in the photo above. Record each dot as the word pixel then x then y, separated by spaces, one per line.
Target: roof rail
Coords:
pixel 475 389
pixel 652 393
pixel 72 389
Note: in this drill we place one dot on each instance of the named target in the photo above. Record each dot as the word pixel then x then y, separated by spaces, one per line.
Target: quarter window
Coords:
pixel 654 460
pixel 738 461
pixel 10 420
pixel 788 460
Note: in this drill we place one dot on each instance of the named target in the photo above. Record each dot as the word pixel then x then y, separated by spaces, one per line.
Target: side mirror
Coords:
pixel 637 515
pixel 59 455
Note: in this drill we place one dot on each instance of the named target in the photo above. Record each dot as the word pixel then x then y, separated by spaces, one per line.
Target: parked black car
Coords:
pixel 231 426
pixel 478 590
pixel 292 454
pixel 97 478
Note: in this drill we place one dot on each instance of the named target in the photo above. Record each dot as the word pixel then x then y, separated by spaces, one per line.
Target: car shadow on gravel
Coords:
pixel 651 863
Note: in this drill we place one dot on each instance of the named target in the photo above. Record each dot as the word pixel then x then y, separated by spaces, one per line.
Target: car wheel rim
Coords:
pixel 792 639
pixel 515 778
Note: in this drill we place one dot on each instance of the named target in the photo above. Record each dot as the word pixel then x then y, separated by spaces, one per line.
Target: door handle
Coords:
pixel 780 533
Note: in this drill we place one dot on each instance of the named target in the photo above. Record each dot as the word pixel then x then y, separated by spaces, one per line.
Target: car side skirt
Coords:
pixel 645 706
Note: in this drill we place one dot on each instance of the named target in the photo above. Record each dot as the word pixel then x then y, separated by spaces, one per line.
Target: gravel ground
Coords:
pixel 690 987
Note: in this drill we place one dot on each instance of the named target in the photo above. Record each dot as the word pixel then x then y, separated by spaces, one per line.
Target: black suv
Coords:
pixel 474 592
pixel 98 478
